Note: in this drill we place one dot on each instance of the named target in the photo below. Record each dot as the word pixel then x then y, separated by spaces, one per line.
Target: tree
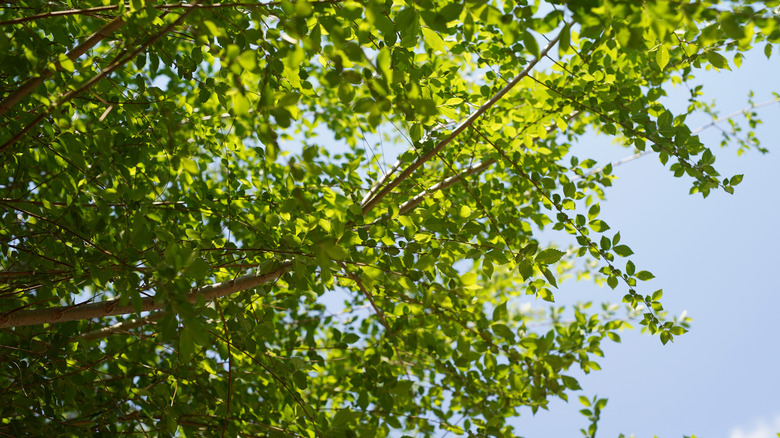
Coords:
pixel 186 186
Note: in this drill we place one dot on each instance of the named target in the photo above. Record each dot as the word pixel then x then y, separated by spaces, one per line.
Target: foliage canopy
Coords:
pixel 186 187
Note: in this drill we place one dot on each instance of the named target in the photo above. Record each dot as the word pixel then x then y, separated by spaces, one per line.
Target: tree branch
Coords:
pixel 122 327
pixel 694 132
pixel 164 7
pixel 409 205
pixel 97 78
pixel 78 312
pixel 371 203
pixel 74 54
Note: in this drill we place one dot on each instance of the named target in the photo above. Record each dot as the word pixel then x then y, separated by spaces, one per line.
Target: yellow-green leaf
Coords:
pixel 433 40
pixel 662 56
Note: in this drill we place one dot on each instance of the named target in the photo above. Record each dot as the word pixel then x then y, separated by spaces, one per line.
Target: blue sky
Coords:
pixel 716 259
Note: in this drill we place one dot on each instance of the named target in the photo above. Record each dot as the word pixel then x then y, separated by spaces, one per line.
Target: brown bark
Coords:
pixel 78 312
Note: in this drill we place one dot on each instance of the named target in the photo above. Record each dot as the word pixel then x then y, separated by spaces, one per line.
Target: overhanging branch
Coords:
pixel 51 315
pixel 369 204
pixel 119 62
pixel 73 55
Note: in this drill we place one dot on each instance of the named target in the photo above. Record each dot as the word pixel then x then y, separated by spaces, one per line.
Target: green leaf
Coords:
pixel 503 331
pixel 346 92
pixel 350 338
pixel 549 276
pixel 530 43
pixel 644 275
pixel 364 105
pixel 433 40
pixel 342 417
pixel 240 104
pixel 186 345
pixel 199 269
pixel 408 24
pixel 622 250
pixel 598 226
pixel 299 379
pixel 546 295
pixel 526 269
pixel 564 43
pixel 571 383
pixel 593 211
pixel 549 256
pixel 303 8
pixel 717 60
pixel 500 313
pixel 335 251
pixel 662 56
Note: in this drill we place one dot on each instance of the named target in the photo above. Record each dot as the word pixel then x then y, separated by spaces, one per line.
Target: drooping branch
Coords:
pixel 369 204
pixel 735 114
pixel 694 132
pixel 21 318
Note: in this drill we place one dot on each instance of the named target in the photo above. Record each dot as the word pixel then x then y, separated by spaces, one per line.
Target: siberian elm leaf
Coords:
pixel 593 211
pixel 622 250
pixel 662 56
pixel 549 256
pixel 433 40
pixel 717 60
pixel 571 383
pixel 198 269
pixel 546 294
pixel 598 226
pixel 500 313
pixel 645 275
pixel 530 43
pixel 549 276
pixel 526 269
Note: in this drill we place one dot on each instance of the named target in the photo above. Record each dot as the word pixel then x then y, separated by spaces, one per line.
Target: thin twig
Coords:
pixel 378 311
pixel 694 132
pixel 122 327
